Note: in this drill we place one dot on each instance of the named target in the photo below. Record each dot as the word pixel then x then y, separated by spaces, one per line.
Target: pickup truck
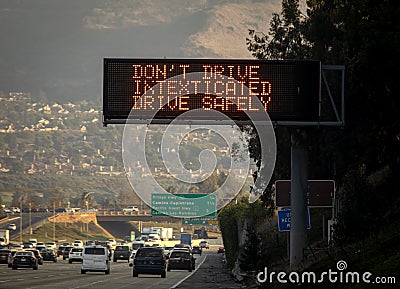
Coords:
pixel 121 252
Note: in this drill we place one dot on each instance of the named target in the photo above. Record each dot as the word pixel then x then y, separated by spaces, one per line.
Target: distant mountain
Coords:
pixel 54 48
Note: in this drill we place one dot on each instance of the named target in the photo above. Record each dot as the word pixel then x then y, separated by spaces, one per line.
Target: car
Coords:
pixel 150 260
pixel 75 255
pixel 37 255
pixel 130 209
pixel 168 250
pixel 26 245
pixel 25 259
pixel 121 252
pixel 40 247
pixel 196 250
pixel 15 210
pixel 49 255
pixel 12 227
pixel 10 258
pixel 204 245
pixel 60 250
pixel 60 210
pixel 95 259
pixel 66 252
pixel 33 241
pixel 43 210
pixel 221 250
pixel 4 253
pixel 181 260
pixel 112 242
pixel 78 243
pixel 7 210
pixel 51 245
pixel 14 245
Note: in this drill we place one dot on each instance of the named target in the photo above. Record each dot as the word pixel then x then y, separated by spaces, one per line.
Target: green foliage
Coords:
pixel 231 218
pixel 285 39
pixel 364 157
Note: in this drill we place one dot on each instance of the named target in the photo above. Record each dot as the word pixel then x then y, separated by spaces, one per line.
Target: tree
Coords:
pixel 285 39
pixel 364 157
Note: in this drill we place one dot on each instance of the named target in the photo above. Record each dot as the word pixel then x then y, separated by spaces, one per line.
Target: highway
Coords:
pixel 36 220
pixel 65 275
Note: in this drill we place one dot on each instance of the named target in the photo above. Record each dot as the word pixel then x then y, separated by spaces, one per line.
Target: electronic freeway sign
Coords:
pixel 162 89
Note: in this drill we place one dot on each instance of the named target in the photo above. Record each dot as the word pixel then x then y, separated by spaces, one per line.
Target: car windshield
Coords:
pixel 94 251
pixel 149 253
pixel 122 248
pixel 77 250
pixel 2 251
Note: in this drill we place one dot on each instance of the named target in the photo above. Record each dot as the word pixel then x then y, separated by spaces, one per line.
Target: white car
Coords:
pixel 51 245
pixel 75 255
pixel 12 227
pixel 78 243
pixel 130 209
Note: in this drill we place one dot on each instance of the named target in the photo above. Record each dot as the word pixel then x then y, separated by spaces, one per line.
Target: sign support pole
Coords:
pixel 298 203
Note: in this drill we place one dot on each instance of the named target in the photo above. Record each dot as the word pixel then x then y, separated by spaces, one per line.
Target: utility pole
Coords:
pixel 30 218
pixel 54 221
pixel 298 197
pixel 20 220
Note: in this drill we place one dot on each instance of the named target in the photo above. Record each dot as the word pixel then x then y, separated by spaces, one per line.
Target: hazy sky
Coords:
pixel 56 47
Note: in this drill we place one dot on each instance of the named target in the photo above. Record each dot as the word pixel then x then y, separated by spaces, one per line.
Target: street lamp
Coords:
pixel 87 210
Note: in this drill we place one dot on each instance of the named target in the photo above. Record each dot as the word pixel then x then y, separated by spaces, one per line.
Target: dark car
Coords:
pixel 37 255
pixel 43 210
pixel 121 253
pixel 60 210
pixel 181 260
pixel 60 250
pixel 26 245
pixel 25 259
pixel 4 255
pixel 65 253
pixel 196 250
pixel 150 260
pixel 49 255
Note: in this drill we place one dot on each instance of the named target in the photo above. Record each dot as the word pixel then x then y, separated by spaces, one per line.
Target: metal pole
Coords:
pixel 87 211
pixel 54 221
pixel 298 203
pixel 30 218
pixel 20 221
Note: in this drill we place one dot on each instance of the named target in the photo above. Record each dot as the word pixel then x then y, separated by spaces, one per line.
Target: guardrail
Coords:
pixel 120 213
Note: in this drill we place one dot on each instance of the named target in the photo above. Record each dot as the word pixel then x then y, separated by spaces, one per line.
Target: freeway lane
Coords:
pixel 36 220
pixel 62 275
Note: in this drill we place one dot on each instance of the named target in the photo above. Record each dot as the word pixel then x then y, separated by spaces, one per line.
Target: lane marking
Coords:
pixel 184 279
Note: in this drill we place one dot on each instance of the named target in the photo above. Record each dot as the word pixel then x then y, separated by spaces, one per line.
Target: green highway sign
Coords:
pixel 199 221
pixel 183 205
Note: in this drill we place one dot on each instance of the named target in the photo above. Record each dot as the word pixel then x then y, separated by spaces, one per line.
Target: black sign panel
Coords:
pixel 320 193
pixel 162 89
